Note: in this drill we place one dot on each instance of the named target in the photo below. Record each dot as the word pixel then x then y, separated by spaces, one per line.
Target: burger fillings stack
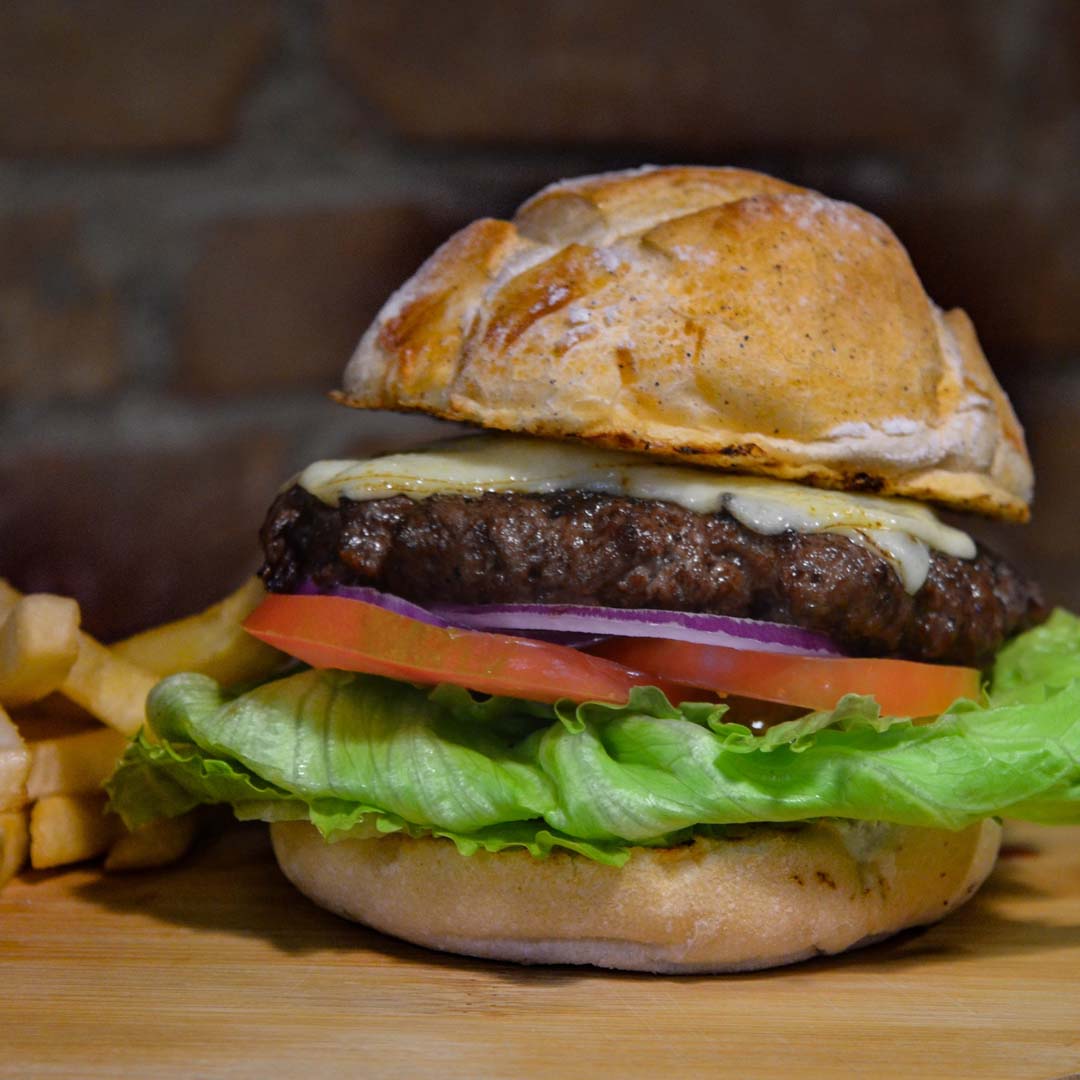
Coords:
pixel 676 668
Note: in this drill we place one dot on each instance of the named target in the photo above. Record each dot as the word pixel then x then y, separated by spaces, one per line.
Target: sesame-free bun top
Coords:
pixel 713 316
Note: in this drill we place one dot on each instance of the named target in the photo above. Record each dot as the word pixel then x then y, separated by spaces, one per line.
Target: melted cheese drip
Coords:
pixel 901 531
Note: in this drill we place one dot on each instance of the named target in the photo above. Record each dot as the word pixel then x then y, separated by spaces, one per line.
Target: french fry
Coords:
pixel 212 642
pixel 14 844
pixel 39 641
pixel 14 765
pixel 156 844
pixel 55 751
pixel 112 689
pixel 77 764
pixel 70 828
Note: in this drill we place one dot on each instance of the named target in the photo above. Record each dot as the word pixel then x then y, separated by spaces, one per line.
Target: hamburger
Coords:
pixel 674 666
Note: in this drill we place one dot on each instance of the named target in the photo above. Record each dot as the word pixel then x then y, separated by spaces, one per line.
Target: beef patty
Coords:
pixel 584 548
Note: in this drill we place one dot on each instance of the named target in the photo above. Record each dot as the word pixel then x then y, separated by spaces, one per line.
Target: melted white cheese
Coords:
pixel 899 530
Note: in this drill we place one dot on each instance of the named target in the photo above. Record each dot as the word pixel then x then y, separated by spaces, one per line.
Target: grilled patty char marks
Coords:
pixel 583 548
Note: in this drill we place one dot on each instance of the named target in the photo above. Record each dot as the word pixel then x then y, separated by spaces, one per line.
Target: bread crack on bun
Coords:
pixel 673 665
pixel 660 310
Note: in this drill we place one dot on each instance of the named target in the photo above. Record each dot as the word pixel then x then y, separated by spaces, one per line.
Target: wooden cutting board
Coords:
pixel 217 968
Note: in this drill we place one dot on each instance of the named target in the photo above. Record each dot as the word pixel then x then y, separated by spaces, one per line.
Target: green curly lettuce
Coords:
pixel 363 755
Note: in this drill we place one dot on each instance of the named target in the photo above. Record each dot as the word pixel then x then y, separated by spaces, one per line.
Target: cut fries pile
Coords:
pixel 68 705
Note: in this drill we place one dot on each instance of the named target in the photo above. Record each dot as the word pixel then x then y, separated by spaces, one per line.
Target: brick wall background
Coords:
pixel 202 204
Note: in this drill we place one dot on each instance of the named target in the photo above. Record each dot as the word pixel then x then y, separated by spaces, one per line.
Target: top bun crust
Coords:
pixel 713 316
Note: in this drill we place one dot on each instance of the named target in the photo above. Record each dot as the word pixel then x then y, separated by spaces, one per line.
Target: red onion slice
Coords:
pixel 385 600
pixel 698 628
pixel 579 625
pixel 400 606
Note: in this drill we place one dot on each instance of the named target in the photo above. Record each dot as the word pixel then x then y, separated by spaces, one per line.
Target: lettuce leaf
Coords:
pixel 362 755
pixel 1036 664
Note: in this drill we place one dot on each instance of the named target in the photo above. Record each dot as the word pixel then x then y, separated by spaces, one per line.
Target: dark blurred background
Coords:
pixel 202 204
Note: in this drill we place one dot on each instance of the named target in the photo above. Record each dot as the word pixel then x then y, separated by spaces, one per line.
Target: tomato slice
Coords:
pixel 901 687
pixel 337 632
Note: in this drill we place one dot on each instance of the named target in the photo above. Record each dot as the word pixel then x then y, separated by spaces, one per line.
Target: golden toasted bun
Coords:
pixel 715 316
pixel 773 897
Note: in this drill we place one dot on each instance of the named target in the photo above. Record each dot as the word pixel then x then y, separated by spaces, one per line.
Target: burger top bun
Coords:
pixel 713 316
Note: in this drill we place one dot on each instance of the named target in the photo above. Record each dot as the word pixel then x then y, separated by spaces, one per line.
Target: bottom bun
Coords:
pixel 762 896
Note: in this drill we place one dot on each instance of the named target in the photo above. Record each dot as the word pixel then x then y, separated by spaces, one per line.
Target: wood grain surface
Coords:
pixel 217 968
